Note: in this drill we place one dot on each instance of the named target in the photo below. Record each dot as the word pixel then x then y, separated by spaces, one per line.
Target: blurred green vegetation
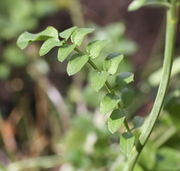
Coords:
pixel 52 122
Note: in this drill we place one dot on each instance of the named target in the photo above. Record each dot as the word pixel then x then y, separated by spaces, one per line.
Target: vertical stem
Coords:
pixel 171 27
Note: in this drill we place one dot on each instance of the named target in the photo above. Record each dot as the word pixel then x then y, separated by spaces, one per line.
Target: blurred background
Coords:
pixel 50 121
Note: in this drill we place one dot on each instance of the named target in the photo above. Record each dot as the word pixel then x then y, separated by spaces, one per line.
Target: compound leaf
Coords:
pixel 137 122
pixel 76 63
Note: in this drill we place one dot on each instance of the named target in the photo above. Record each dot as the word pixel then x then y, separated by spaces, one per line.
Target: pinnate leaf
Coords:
pixel 115 120
pixel 26 37
pixel 98 79
pixel 79 34
pixel 127 141
pixel 48 45
pixel 108 103
pixel 64 51
pixel 112 62
pixel 76 63
pixel 67 33
pixel 94 48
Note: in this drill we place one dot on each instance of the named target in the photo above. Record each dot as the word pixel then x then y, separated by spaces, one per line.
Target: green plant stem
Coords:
pixel 108 86
pixel 171 27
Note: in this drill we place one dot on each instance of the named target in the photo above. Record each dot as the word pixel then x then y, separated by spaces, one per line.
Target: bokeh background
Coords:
pixel 49 121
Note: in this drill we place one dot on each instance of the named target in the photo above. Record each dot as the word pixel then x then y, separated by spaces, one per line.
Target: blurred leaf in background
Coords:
pixel 20 15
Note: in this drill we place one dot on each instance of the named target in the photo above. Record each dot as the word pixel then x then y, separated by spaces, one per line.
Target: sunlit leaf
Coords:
pixel 112 62
pixel 48 45
pixel 67 33
pixel 79 34
pixel 98 79
pixel 115 120
pixel 108 103
pixel 64 51
pixel 76 63
pixel 94 48
pixel 26 37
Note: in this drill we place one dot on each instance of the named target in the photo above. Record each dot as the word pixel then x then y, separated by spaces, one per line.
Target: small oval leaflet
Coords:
pixel 48 45
pixel 116 120
pixel 64 51
pixel 95 47
pixel 79 34
pixel 76 63
pixel 112 62
pixel 109 103
pixel 127 141
pixel 98 79
pixel 127 96
pixel 67 33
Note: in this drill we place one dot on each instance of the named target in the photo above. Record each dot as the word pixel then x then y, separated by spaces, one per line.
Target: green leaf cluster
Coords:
pixel 119 94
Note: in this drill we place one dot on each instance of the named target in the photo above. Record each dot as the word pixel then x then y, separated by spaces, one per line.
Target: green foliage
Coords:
pixel 112 62
pixel 64 51
pixel 14 56
pixel 72 38
pixel 168 159
pixel 127 141
pixel 98 79
pixel 48 45
pixel 94 48
pixel 136 4
pixel 126 77
pixel 25 38
pixel 76 63
pixel 79 34
pixel 116 120
pixel 4 71
pixel 137 122
pixel 109 103
pixel 67 33
pixel 20 15
pixel 119 95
